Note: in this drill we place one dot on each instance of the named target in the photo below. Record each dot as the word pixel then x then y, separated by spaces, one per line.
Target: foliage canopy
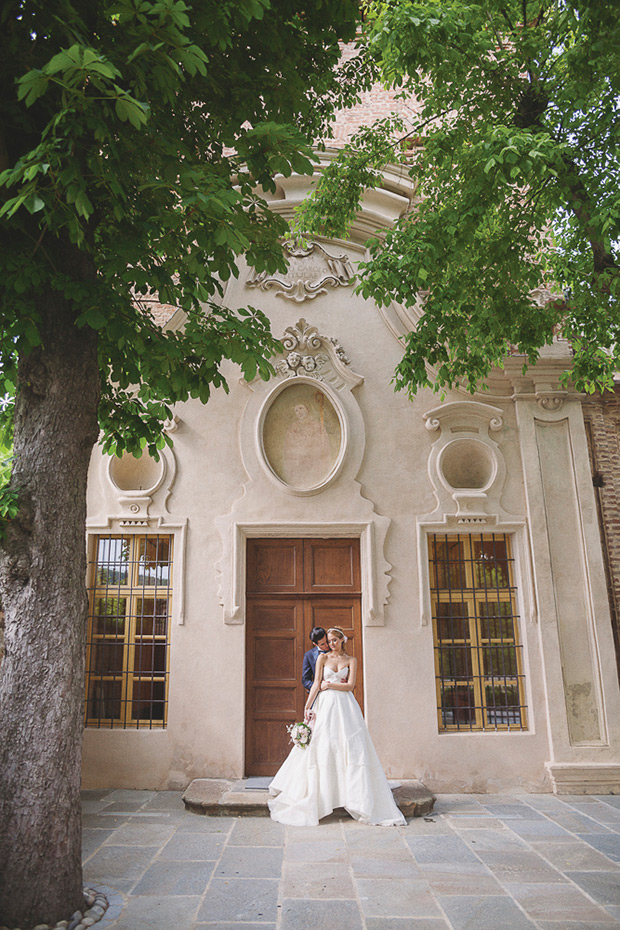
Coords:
pixel 136 134
pixel 517 169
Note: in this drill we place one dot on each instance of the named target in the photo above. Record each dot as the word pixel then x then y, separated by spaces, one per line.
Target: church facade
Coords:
pixel 455 540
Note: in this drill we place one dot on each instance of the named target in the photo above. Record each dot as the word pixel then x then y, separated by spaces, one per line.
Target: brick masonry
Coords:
pixel 602 420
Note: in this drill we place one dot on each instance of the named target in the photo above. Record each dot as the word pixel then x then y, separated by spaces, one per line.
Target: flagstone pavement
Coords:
pixel 478 862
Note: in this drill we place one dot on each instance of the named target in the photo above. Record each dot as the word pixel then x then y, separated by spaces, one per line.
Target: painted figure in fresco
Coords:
pixel 339 767
pixel 318 638
pixel 306 453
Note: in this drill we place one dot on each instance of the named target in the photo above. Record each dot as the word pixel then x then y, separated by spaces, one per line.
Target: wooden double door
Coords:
pixel 293 585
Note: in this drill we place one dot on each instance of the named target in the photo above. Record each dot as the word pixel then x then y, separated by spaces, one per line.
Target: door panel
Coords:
pixel 274 659
pixel 268 745
pixel 292 586
pixel 275 565
pixel 272 690
pixel 331 566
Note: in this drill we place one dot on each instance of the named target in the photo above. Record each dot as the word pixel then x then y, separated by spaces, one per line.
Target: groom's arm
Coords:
pixel 307 672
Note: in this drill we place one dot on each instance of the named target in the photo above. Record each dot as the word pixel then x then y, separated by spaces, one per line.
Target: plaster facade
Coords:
pixel 371 464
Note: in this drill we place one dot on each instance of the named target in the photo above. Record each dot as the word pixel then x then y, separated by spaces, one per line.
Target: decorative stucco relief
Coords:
pixel 302 443
pixel 139 484
pixel 311 270
pixel 133 499
pixel 542 295
pixel 309 354
pixel 551 401
pixel 467 470
pixel 465 464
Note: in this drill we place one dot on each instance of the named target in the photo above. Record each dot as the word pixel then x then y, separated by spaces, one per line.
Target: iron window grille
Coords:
pixel 128 643
pixel 478 657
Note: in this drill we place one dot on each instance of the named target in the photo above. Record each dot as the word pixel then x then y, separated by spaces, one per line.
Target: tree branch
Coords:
pixel 579 202
pixel 541 15
pixel 495 32
pixel 507 18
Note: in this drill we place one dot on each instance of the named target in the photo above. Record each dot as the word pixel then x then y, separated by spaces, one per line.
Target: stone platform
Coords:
pixel 219 797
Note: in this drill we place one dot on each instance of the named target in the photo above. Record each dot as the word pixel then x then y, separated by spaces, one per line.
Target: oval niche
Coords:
pixel 467 463
pixel 302 436
pixel 136 474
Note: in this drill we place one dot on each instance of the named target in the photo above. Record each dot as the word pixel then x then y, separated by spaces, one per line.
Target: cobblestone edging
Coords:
pixel 97 905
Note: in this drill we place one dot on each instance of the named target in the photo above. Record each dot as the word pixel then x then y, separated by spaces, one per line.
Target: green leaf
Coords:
pixel 130 110
pixel 33 203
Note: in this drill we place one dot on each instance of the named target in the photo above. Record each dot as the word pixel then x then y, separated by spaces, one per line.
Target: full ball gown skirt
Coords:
pixel 340 768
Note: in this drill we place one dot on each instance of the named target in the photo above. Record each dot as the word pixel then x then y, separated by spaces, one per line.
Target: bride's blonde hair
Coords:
pixel 338 632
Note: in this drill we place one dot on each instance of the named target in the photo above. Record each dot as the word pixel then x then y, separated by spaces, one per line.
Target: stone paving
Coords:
pixel 478 862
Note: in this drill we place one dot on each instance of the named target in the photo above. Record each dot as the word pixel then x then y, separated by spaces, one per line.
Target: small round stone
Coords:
pixel 89 921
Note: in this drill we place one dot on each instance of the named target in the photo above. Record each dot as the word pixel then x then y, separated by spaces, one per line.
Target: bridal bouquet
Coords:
pixel 300 734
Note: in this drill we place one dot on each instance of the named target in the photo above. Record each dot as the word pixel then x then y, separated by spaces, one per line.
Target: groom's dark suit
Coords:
pixel 309 666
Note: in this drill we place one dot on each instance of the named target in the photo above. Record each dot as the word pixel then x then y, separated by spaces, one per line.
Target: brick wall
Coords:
pixel 374 104
pixel 602 419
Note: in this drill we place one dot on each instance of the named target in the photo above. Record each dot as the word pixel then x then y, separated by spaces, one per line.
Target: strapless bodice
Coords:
pixel 339 676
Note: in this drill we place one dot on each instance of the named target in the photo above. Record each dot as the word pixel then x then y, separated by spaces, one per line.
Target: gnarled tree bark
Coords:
pixel 42 584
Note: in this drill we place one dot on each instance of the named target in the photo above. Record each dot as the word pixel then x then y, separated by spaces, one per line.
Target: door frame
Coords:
pixel 375 569
pixel 372 614
pixel 302 600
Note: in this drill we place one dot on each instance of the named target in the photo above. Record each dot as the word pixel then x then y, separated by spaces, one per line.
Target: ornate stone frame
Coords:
pixel 344 443
pixel 374 568
pixel 467 509
pixel 334 508
pixel 467 425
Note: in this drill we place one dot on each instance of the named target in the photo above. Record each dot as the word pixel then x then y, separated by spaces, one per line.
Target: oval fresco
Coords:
pixel 302 436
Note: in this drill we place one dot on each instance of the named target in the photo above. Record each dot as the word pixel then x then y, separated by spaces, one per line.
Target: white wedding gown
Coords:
pixel 340 768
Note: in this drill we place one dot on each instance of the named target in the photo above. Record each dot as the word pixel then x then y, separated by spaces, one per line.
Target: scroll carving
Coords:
pixel 311 270
pixel 312 355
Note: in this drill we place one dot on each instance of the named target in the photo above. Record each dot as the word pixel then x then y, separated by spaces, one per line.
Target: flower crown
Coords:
pixel 336 629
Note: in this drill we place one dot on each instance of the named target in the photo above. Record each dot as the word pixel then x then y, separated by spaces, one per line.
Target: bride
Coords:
pixel 340 767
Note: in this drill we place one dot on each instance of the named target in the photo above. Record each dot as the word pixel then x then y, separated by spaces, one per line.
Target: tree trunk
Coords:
pixel 42 584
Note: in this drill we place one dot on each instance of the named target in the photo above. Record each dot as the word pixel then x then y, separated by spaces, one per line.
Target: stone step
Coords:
pixel 220 797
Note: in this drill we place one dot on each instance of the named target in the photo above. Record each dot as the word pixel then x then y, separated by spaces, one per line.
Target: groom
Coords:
pixel 318 637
